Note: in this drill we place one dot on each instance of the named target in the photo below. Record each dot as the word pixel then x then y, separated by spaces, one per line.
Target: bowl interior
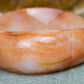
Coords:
pixel 39 19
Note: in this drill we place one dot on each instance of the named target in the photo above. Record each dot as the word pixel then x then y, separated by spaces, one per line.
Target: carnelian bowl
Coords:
pixel 40 40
